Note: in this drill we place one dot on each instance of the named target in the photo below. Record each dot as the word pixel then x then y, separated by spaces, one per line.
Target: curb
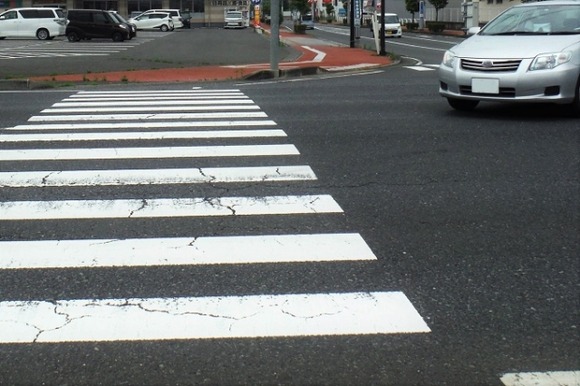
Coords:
pixel 15 84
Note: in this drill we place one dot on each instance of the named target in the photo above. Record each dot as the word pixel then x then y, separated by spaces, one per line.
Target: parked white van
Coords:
pixel 42 23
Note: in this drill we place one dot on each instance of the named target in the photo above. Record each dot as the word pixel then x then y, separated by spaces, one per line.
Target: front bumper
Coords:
pixel 556 85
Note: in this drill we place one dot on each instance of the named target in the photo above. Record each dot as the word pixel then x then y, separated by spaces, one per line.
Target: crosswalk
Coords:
pixel 87 127
pixel 97 126
pixel 63 48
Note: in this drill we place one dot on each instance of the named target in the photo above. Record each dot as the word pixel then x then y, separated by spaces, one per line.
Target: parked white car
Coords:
pixel 391 24
pixel 529 53
pixel 154 20
pixel 175 15
pixel 42 23
pixel 234 19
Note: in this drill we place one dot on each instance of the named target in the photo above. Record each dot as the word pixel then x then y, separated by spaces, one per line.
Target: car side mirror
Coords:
pixel 473 31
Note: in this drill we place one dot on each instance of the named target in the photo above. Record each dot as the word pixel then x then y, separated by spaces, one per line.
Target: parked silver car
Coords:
pixel 529 53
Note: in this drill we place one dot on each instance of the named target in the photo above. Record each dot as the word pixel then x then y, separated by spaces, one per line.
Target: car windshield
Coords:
pixel 541 19
pixel 118 17
pixel 234 14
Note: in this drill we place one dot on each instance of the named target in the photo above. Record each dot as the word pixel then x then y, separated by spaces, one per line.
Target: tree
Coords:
pixel 266 10
pixel 438 4
pixel 413 7
pixel 301 6
pixel 329 10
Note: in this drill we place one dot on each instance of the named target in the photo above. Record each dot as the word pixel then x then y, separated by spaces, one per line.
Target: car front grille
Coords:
pixel 490 65
pixel 506 92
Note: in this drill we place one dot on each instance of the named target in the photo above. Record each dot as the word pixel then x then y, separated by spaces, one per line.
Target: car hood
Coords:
pixel 508 47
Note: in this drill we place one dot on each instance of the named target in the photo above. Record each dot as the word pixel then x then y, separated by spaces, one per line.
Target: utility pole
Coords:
pixel 382 29
pixel 275 37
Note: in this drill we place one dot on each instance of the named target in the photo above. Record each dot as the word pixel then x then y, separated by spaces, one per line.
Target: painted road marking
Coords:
pixel 142 125
pixel 215 107
pixel 43 254
pixel 137 117
pixel 419 68
pixel 138 319
pixel 195 91
pixel 147 152
pixel 142 135
pixel 111 177
pixel 551 378
pixel 137 97
pixel 168 207
pixel 155 102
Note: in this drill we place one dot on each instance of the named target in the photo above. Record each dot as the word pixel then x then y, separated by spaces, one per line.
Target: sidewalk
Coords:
pixel 315 56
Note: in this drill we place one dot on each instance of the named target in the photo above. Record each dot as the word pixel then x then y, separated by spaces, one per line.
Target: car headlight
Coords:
pixel 549 61
pixel 449 59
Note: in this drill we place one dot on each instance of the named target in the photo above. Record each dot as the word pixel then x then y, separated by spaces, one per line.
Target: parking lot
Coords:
pixel 21 58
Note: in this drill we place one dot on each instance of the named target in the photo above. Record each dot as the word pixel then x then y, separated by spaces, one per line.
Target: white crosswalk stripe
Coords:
pixel 183 251
pixel 148 117
pixel 550 378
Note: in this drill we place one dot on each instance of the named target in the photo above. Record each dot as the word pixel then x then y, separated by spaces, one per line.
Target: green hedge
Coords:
pixel 300 28
pixel 412 26
pixel 435 26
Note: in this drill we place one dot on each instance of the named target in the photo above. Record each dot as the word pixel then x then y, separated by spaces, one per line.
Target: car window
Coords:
pixel 100 18
pixel 45 13
pixel 541 19
pixel 10 15
pixel 29 13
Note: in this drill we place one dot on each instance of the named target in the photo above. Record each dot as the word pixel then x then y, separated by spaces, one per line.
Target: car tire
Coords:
pixel 73 37
pixel 42 34
pixel 118 37
pixel 462 104
pixel 164 28
pixel 574 107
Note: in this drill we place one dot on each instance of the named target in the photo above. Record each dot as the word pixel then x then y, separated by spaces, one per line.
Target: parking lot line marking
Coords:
pixel 147 152
pixel 93 253
pixel 142 135
pixel 168 207
pixel 214 317
pixel 112 177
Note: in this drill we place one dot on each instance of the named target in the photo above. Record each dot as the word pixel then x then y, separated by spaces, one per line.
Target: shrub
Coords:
pixel 300 28
pixel 435 26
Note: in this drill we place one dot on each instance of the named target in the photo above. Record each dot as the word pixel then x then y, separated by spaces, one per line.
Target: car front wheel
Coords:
pixel 462 104
pixel 575 105
pixel 73 37
pixel 164 28
pixel 118 37
pixel 42 34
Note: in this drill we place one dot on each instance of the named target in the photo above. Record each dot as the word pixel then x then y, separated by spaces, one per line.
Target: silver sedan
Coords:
pixel 529 53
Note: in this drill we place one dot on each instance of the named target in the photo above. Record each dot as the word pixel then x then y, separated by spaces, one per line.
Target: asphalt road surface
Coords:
pixel 338 229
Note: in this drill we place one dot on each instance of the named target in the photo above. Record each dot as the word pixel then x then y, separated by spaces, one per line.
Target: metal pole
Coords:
pixel 382 30
pixel 351 22
pixel 274 36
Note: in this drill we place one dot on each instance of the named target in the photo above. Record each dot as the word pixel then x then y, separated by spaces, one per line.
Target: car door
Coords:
pixel 144 21
pixel 9 22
